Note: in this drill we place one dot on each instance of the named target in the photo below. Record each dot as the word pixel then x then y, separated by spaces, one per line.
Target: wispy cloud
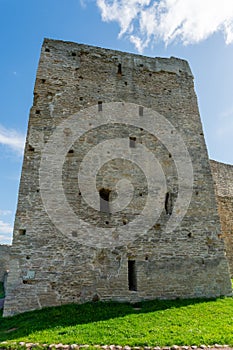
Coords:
pixel 82 3
pixel 12 139
pixel 5 212
pixel 5 239
pixel 189 21
pixel 6 228
pixel 5 232
pixel 224 129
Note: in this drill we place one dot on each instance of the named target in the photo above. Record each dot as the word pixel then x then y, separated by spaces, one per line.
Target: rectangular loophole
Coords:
pixel 132 141
pixel 140 111
pixel 71 151
pixel 104 200
pixel 132 275
pixel 22 232
pixel 100 106
pixel 30 148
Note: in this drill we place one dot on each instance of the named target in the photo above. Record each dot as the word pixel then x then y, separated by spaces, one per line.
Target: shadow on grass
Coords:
pixel 74 314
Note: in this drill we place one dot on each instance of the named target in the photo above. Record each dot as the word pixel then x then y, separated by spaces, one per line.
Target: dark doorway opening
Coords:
pixel 132 275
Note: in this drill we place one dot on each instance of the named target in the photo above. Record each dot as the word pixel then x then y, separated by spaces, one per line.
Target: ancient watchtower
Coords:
pixel 116 199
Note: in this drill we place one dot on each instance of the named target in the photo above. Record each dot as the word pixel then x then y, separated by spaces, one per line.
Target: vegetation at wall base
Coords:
pixel 151 323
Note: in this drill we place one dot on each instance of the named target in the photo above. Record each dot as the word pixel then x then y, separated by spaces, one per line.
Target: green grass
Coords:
pixel 180 322
pixel 1 290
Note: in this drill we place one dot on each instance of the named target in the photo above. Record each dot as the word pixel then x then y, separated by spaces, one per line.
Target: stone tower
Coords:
pixel 116 199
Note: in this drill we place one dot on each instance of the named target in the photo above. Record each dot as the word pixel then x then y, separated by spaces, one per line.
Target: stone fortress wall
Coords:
pixel 51 264
pixel 223 179
pixel 4 260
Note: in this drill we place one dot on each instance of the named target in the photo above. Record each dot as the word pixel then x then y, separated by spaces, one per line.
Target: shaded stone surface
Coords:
pixel 1 303
pixel 223 179
pixel 4 260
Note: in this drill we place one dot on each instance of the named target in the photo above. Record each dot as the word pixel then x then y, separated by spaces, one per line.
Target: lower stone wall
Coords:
pixel 223 179
pixel 4 260
pixel 225 207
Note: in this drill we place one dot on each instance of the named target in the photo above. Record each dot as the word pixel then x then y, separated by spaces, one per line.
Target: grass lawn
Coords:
pixel 180 322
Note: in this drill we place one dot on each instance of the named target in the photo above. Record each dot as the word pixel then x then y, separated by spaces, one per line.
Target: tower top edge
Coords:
pixel 158 64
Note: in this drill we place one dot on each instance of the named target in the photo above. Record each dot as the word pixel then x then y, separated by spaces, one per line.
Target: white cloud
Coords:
pixel 12 139
pixel 5 239
pixel 5 212
pixel 189 21
pixel 5 227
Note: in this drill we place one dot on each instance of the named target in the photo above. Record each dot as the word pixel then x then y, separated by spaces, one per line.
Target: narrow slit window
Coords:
pixel 132 142
pixel 104 200
pixel 100 106
pixel 119 72
pixel 140 111
pixel 22 232
pixel 168 203
pixel 132 275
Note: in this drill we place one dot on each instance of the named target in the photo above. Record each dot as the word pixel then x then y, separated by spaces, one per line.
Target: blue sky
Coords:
pixel 200 31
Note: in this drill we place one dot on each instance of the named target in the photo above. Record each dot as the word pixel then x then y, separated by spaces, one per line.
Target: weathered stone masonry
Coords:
pixel 4 264
pixel 223 179
pixel 4 260
pixel 47 268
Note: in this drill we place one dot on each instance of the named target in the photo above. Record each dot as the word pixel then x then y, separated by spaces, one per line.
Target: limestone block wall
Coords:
pixel 4 260
pixel 223 178
pixel 53 261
